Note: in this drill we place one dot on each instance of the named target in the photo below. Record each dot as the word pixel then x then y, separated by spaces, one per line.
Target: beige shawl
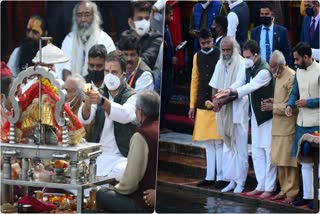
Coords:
pixel 225 115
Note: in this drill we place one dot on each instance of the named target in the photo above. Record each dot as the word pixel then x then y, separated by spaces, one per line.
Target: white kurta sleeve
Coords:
pixel 13 62
pixel 260 80
pixel 233 23
pixel 125 113
pixel 92 114
pixel 144 82
pixel 67 50
pixel 106 40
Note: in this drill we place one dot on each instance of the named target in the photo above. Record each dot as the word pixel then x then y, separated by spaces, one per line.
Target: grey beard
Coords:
pixel 85 31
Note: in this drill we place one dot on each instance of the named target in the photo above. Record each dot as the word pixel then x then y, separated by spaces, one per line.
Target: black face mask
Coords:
pixel 96 75
pixel 266 20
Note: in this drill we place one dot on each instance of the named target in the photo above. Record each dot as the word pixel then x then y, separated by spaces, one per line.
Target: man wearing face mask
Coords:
pixel 138 74
pixel 129 195
pixel 86 32
pixel 305 97
pixel 149 38
pixel 258 83
pixel 205 127
pixel 97 56
pixel 271 36
pixel 74 86
pixel 283 128
pixel 238 21
pixel 219 29
pixel 117 100
pixel 310 26
pixel 203 14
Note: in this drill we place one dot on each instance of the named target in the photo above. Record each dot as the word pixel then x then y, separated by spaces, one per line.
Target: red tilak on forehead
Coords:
pixel 35 24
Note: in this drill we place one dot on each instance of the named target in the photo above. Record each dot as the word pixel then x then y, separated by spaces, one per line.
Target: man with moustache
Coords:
pixel 305 97
pixel 232 118
pixel 86 32
pixel 138 74
pixel 149 38
pixel 117 100
pixel 205 127
pixel 22 56
pixel 96 62
pixel 258 83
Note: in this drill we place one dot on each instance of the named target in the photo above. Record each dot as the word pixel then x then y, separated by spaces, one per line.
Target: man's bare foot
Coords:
pixel 289 200
pixel 278 196
pixel 265 194
pixel 254 192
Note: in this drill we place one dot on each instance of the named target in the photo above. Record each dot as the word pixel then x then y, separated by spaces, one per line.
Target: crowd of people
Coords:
pixel 236 82
pixel 120 111
pixel 237 79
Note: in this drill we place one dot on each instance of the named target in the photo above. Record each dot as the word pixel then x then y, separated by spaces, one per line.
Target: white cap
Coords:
pixel 50 55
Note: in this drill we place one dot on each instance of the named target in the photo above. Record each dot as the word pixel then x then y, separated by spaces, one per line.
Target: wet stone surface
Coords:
pixel 171 200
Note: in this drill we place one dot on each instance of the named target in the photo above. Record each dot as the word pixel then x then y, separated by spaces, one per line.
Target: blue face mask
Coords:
pixel 310 11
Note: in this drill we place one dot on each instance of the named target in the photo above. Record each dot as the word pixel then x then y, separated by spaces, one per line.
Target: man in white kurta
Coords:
pixel 86 33
pixel 235 129
pixel 112 162
pixel 258 79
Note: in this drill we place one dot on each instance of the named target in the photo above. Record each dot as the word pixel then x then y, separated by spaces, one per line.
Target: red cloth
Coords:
pixel 37 206
pixel 5 71
pixel 175 30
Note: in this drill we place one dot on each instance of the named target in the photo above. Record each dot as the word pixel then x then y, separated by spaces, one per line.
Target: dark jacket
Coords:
pixel 206 66
pixel 150 131
pixel 122 132
pixel 261 93
pixel 305 36
pixel 280 41
pixel 143 67
pixel 243 14
pixel 149 46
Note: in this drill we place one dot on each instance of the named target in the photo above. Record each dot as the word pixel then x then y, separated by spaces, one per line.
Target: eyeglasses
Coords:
pixel 85 15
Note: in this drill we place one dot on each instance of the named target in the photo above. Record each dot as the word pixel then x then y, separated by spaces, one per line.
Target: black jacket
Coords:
pixel 149 46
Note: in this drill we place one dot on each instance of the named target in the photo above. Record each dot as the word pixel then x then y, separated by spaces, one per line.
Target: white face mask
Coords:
pixel 142 26
pixel 207 52
pixel 248 62
pixel 112 81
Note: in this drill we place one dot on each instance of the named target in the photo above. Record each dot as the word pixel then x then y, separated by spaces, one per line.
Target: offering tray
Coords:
pixel 76 153
pixel 79 187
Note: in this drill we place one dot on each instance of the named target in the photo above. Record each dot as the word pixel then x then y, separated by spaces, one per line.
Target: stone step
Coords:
pixel 181 143
pixel 182 165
